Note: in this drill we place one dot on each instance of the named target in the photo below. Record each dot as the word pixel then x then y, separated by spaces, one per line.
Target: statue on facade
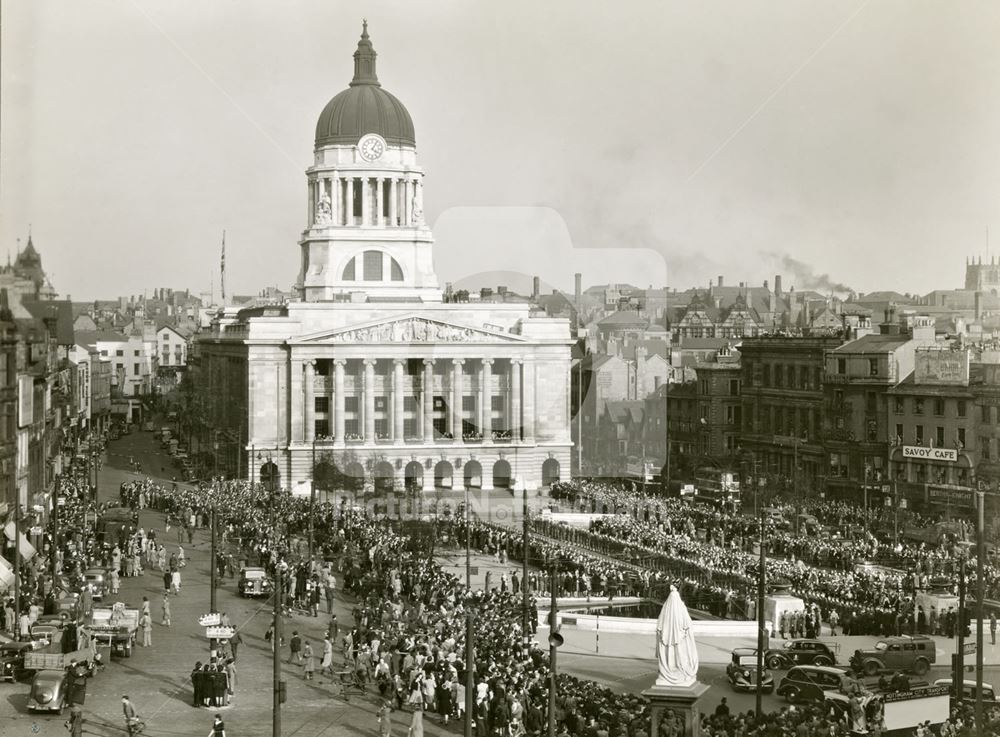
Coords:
pixel 418 205
pixel 324 213
pixel 676 652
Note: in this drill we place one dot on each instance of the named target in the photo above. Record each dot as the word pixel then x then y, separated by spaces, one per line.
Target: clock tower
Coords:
pixel 366 239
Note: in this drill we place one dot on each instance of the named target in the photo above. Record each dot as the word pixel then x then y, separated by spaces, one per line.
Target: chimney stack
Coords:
pixel 535 286
pixel 765 284
pixel 979 306
pixel 720 281
pixel 777 285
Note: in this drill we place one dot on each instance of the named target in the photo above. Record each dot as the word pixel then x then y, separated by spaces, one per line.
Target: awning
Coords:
pixel 6 575
pixel 27 549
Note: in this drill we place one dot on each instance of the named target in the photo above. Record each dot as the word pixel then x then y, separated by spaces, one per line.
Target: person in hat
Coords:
pixel 385 718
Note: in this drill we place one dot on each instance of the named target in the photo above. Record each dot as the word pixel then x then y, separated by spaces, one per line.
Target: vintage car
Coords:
pixel 809 683
pixel 801 652
pixel 95 580
pixel 969 692
pixel 904 653
pixel 12 660
pixel 49 690
pixel 742 672
pixel 254 582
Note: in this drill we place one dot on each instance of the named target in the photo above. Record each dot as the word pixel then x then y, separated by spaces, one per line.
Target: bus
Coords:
pixel 717 488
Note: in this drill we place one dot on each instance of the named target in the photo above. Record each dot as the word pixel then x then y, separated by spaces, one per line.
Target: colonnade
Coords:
pixel 435 394
pixel 385 201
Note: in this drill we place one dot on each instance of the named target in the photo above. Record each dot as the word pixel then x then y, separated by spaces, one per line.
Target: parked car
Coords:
pixel 12 660
pixel 969 692
pixel 807 683
pixel 254 581
pixel 742 672
pixel 801 651
pixel 905 653
pixel 49 690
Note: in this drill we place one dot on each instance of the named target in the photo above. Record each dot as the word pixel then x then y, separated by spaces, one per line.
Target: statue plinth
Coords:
pixel 680 699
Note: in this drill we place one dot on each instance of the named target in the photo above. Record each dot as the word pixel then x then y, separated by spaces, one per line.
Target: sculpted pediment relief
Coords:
pixel 413 330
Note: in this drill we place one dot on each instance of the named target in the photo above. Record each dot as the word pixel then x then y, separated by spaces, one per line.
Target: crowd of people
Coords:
pixel 406 641
pixel 827 571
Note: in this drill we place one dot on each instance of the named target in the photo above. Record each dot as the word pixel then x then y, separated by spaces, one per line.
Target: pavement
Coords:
pixel 158 678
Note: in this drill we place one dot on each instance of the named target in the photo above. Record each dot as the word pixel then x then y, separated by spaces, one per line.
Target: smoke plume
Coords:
pixel 804 277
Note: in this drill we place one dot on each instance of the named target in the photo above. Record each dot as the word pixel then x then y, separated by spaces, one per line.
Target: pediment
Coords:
pixel 411 329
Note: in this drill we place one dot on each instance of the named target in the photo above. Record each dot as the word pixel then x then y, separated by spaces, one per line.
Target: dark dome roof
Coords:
pixel 364 107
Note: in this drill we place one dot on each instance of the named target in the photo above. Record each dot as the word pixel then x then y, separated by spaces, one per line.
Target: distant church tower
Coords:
pixel 28 267
pixel 980 277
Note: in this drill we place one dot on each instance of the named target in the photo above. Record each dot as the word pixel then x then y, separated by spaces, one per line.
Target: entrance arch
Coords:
pixel 270 476
pixel 354 476
pixel 413 476
pixel 501 474
pixel 472 472
pixel 382 477
pixel 443 475
pixel 550 472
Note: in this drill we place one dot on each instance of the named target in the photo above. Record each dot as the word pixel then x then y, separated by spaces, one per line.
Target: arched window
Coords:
pixel 372 268
pixel 349 271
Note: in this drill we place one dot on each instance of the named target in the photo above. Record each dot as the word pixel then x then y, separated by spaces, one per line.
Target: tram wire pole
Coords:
pixel 760 617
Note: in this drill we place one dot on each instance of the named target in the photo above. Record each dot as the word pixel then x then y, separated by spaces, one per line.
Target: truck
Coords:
pixel 904 653
pixel 115 627
pixel 902 711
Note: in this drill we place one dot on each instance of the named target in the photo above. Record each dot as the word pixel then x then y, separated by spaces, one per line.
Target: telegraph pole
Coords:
pixel 760 616
pixel 17 564
pixel 276 659
pixel 980 609
pixel 553 647
pixel 470 661
pixel 312 503
pixel 55 529
pixel 214 563
pixel 526 614
pixel 958 676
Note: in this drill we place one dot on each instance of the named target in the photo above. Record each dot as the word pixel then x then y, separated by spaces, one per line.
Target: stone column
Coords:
pixel 398 403
pixel 393 202
pixel 515 399
pixel 310 206
pixel 486 411
pixel 309 401
pixel 528 406
pixel 332 183
pixel 407 202
pixel 428 435
pixel 338 401
pixel 379 202
pixel 369 400
pixel 366 201
pixel 480 399
pixel 456 398
pixel 349 202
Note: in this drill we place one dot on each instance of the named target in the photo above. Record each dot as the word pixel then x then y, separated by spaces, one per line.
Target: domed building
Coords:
pixel 370 379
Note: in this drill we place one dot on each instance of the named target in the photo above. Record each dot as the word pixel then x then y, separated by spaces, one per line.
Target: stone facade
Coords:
pixel 370 379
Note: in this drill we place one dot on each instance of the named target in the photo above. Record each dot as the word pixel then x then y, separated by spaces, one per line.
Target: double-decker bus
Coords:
pixel 718 488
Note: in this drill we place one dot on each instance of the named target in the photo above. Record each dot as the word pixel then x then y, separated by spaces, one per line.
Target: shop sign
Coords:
pixel 944 495
pixel 219 633
pixel 948 455
pixel 210 620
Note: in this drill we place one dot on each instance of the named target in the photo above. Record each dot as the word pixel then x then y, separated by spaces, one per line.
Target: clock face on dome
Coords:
pixel 371 146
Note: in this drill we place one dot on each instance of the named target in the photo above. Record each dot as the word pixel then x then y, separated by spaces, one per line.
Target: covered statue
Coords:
pixel 676 652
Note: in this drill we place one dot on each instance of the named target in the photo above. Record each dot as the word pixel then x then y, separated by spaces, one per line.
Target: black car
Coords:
pixel 802 652
pixel 12 660
pixel 807 683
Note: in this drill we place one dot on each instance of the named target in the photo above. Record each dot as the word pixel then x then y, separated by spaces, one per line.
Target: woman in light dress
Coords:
pixel 327 664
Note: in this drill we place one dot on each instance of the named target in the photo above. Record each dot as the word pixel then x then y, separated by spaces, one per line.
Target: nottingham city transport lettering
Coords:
pixel 930 454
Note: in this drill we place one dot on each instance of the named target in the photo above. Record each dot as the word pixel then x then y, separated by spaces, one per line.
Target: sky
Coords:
pixel 840 144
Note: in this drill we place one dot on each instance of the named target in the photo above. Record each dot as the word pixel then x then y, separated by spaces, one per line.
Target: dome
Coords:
pixel 364 107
